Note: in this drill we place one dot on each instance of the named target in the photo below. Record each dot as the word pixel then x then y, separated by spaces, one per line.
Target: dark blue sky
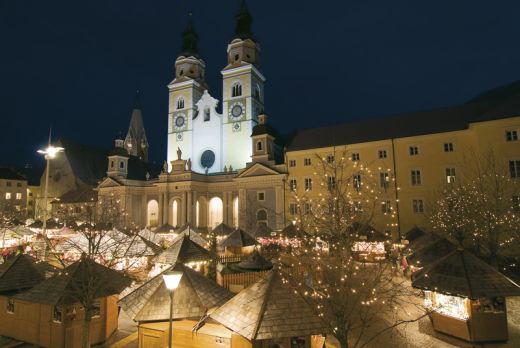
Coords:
pixel 76 65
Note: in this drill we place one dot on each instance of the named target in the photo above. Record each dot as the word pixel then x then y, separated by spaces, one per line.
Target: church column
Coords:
pixel 166 208
pixel 280 207
pixel 160 209
pixel 189 214
pixel 225 208
pixel 242 223
pixel 184 208
pixel 144 212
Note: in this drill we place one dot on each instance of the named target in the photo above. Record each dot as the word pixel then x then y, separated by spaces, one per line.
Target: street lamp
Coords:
pixel 172 280
pixel 49 152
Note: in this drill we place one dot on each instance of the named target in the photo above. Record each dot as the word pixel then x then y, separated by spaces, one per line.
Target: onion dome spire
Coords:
pixel 189 39
pixel 243 23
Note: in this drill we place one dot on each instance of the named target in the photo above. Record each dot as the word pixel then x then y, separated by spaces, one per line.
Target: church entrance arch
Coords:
pixel 175 212
pixel 152 216
pixel 235 212
pixel 216 212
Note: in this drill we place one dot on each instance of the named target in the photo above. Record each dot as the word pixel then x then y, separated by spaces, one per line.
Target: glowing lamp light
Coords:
pixel 51 151
pixel 172 279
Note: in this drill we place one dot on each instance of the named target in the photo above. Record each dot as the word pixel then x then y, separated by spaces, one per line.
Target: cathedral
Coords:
pixel 221 167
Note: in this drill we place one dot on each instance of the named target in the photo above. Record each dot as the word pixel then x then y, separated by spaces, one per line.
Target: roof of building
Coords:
pixel 11 174
pixel 222 230
pixel 194 296
pixel 238 238
pixel 193 234
pixel 81 195
pixel 414 233
pixel 431 253
pixel 183 250
pixel 262 231
pixel 255 262
pixel 497 103
pixel 88 163
pixel 141 170
pixel 66 287
pixel 270 308
pixel 460 273
pixel 23 272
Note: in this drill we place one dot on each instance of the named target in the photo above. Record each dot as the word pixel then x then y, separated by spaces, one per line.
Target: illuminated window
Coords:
pixel 180 103
pixel 236 90
pixel 292 163
pixel 418 206
pixel 18 196
pixel 308 184
pixel 416 177
pixel 235 212
pixel 381 154
pixel 152 213
pixel 450 175
pixel 448 147
pixel 514 169
pixel 292 184
pixel 413 150
pixel 8 195
pixel 175 213
pixel 215 212
pixel 355 156
pixel 511 135
pixel 307 161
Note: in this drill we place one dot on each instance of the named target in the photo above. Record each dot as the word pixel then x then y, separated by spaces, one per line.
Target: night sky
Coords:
pixel 77 65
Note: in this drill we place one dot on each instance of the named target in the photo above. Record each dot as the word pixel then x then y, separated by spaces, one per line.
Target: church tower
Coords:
pixel 184 92
pixel 136 143
pixel 243 92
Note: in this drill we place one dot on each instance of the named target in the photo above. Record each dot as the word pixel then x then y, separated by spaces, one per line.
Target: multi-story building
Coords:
pixel 13 191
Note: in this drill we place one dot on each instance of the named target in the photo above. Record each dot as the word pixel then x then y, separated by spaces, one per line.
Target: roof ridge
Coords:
pixel 270 279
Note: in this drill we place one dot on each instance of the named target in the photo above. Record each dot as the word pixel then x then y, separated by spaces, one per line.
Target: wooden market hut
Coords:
pixel 237 276
pixel 194 236
pixel 269 312
pixel 421 242
pixel 262 231
pixel 49 313
pixel 221 231
pixel 237 244
pixel 149 305
pixel 414 233
pixel 184 250
pixel 368 243
pixel 430 254
pixel 466 297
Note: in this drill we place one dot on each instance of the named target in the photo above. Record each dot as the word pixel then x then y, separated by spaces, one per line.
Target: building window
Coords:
pixel 96 309
pixel 511 135
pixel 180 103
pixel 56 314
pixel 111 164
pixel 292 185
pixel 292 163
pixel 515 201
pixel 450 175
pixel 307 161
pixel 18 184
pixel 355 156
pixel 30 194
pixel 77 210
pixel 206 114
pixel 8 195
pixel 10 305
pixel 8 183
pixel 413 150
pixel 307 208
pixel 385 207
pixel 330 159
pixel 257 92
pixel 384 179
pixel 418 206
pixel 416 177
pixel 358 206
pixel 121 164
pixel 448 147
pixel 514 169
pixel 293 208
pixel 18 196
pixel 259 146
pixel 236 90
pixel 381 154
pixel 356 181
pixel 261 196
pixel 261 216
pixel 331 182
pixel 308 184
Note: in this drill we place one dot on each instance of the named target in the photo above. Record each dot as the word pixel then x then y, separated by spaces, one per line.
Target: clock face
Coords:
pixel 179 122
pixel 236 111
pixel 207 159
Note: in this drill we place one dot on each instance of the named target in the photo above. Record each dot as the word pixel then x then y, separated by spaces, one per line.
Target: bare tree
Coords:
pixel 10 216
pixel 353 297
pixel 481 209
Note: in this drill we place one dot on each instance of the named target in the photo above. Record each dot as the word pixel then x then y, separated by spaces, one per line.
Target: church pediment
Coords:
pixel 257 169
pixel 109 182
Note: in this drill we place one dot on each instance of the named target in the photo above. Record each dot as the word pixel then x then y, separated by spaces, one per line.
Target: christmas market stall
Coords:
pixel 466 297
pixel 368 243
pixel 195 296
pixel 15 236
pixel 221 231
pixel 183 250
pixel 430 254
pixel 237 276
pixel 237 245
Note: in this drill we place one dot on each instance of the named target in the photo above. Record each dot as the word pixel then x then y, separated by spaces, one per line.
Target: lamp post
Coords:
pixel 172 280
pixel 49 153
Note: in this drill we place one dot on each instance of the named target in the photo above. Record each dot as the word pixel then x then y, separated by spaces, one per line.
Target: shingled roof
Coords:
pixel 255 262
pixel 460 273
pixel 239 238
pixel 270 308
pixel 23 272
pixel 193 234
pixel 183 250
pixel 414 233
pixel 66 286
pixel 194 296
pixel 222 230
pixel 431 253
pixel 263 231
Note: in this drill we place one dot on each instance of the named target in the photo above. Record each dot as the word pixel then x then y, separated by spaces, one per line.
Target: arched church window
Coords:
pixel 121 164
pixel 236 90
pixel 236 57
pixel 259 146
pixel 206 114
pixel 261 216
pixel 111 164
pixel 180 103
pixel 257 92
pixel 181 72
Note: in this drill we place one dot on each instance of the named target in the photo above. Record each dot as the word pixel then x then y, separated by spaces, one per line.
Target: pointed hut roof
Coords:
pixel 414 233
pixel 66 286
pixel 423 241
pixel 460 273
pixel 255 262
pixel 194 235
pixel 166 228
pixel 239 238
pixel 263 231
pixel 431 253
pixel 270 308
pixel 223 230
pixel 183 250
pixel 23 272
pixel 195 295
